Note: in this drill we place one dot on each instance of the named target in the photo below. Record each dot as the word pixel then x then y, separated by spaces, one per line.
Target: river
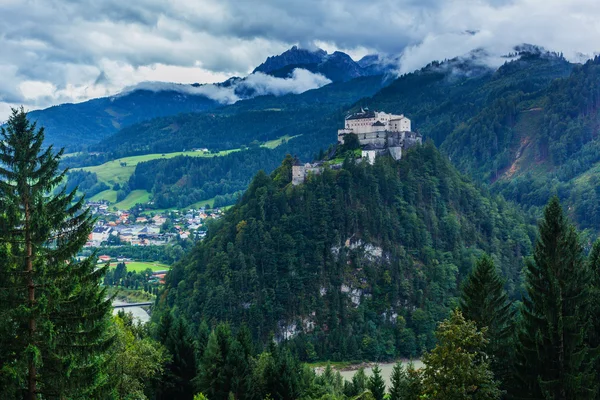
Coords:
pixel 138 312
pixel 386 370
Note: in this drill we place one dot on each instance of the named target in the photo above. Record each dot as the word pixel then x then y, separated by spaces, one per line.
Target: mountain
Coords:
pixel 439 98
pixel 76 125
pixel 338 66
pixel 293 56
pixel 359 262
pixel 262 118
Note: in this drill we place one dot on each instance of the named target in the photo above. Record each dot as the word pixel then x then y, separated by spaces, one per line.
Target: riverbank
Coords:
pixel 348 370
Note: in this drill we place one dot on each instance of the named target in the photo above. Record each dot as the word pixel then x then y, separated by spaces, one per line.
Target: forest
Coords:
pixel 369 257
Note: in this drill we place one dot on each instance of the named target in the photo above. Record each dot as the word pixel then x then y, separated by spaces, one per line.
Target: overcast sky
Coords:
pixel 56 51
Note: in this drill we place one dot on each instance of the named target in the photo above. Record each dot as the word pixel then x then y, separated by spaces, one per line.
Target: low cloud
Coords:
pixel 257 84
pixel 300 81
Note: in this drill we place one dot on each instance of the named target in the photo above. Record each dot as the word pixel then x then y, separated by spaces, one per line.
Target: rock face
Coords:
pixel 293 56
pixel 338 66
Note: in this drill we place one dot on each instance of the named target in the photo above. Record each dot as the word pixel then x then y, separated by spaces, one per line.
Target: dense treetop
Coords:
pixel 346 253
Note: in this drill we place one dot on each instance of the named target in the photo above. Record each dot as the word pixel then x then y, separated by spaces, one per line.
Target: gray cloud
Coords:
pixel 71 50
pixel 258 84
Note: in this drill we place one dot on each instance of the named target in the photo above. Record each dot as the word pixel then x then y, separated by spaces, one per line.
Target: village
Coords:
pixel 137 227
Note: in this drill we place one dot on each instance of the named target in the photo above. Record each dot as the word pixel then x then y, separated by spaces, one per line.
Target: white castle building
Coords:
pixel 373 121
pixel 379 133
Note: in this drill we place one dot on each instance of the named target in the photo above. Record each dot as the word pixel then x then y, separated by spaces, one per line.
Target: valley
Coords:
pixel 117 172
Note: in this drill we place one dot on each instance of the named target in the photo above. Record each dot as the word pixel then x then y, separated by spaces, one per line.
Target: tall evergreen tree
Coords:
pixel 376 384
pixel 553 360
pixel 54 306
pixel 405 382
pixel 214 379
pixel 594 333
pixel 484 301
pixel 457 368
pixel 181 370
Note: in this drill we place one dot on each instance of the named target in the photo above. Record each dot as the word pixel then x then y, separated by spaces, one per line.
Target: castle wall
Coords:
pixel 396 152
pixel 298 174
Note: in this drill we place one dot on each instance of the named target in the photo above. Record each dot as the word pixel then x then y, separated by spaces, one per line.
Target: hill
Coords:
pixel 356 263
pixel 531 146
pixel 262 118
pixel 76 125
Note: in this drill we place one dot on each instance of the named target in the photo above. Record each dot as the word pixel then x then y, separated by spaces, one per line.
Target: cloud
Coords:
pixel 300 81
pixel 256 84
pixel 88 48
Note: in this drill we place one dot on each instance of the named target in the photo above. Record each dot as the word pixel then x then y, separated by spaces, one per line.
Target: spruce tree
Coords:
pixel 484 301
pixel 55 309
pixel 594 333
pixel 181 369
pixel 214 379
pixel 376 384
pixel 405 382
pixel 553 360
pixel 457 368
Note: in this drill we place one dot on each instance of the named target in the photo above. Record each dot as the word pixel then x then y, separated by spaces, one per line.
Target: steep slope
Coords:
pixel 546 144
pixel 293 56
pixel 443 96
pixel 359 262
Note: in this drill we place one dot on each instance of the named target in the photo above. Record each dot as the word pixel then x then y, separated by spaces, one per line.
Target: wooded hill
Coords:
pixel 363 260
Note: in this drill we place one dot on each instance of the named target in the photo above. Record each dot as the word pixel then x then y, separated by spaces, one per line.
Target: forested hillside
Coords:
pixel 356 263
pixel 262 118
pixel 75 125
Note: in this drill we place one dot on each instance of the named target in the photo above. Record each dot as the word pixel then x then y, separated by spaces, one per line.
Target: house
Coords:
pixel 104 258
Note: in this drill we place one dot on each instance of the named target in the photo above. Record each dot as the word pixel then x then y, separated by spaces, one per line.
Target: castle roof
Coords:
pixel 362 115
pixel 297 162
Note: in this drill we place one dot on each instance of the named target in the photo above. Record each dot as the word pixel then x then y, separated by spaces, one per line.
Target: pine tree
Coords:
pixel 405 383
pixel 552 359
pixel 594 333
pixel 484 301
pixel 214 379
pixel 376 384
pixel 57 312
pixel 457 368
pixel 181 370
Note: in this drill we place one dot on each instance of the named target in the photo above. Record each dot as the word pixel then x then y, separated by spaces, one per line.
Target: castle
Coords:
pixel 378 133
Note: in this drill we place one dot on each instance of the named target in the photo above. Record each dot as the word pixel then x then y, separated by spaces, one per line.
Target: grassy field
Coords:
pixel 133 198
pixel 202 203
pixel 120 170
pixel 108 195
pixel 271 144
pixel 139 266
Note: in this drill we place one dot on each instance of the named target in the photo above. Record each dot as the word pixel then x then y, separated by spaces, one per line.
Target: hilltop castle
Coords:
pixel 378 133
